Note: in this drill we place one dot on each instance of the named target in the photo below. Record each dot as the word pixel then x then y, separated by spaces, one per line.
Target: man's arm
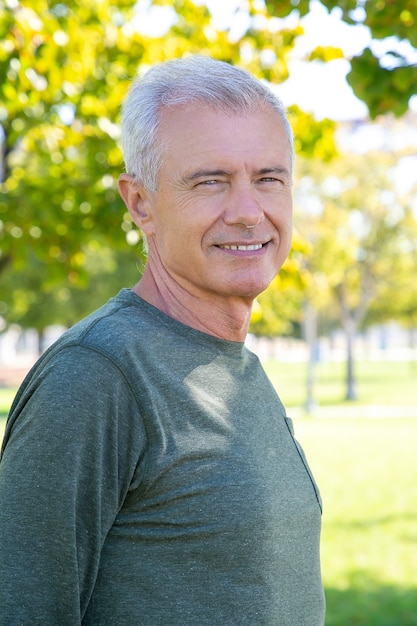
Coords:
pixel 66 467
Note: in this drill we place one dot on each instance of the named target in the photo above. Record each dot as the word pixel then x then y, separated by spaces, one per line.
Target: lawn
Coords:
pixel 384 388
pixel 6 399
pixel 366 467
pixel 366 470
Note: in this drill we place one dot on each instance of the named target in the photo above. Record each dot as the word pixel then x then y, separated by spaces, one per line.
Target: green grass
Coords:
pixel 366 470
pixel 367 473
pixel 6 399
pixel 383 388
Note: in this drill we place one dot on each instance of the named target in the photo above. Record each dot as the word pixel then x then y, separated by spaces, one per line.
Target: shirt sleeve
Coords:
pixel 73 445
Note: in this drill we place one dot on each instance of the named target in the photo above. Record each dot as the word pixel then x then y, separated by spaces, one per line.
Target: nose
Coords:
pixel 242 207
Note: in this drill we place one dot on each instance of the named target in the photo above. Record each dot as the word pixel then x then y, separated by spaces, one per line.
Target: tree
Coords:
pixel 400 303
pixel 277 309
pixel 359 229
pixel 59 65
pixel 384 80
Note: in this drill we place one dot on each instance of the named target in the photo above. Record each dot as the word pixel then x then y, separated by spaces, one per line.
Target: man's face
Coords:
pixel 221 220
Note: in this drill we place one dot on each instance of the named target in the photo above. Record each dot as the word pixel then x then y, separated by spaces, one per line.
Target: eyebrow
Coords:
pixel 274 170
pixel 207 173
pixel 189 178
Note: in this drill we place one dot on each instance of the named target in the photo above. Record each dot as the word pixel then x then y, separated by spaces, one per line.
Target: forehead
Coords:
pixel 198 133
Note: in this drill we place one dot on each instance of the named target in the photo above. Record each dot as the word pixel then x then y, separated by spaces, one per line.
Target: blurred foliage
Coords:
pixel 312 138
pixel 385 82
pixel 362 234
pixel 400 301
pixel 384 90
pixel 63 70
pixel 277 310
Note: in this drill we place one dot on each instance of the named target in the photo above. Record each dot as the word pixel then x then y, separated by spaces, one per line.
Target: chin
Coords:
pixel 250 291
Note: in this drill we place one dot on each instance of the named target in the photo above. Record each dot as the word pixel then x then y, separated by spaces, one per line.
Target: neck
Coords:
pixel 226 318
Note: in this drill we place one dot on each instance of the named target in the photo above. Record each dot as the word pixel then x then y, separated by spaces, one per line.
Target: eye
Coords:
pixel 274 176
pixel 212 183
pixel 209 182
pixel 271 180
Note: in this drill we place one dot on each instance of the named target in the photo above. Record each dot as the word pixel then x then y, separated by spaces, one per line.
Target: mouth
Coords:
pixel 243 248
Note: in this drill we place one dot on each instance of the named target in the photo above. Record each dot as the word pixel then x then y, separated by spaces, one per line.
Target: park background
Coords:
pixel 336 330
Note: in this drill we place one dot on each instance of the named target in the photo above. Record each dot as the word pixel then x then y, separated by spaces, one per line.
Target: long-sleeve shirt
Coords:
pixel 150 477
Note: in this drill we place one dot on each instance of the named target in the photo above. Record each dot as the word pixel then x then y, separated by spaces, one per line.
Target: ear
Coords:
pixel 138 201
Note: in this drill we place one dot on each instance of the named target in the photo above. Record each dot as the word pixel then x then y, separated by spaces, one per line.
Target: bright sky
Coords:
pixel 317 87
pixel 322 87
pixel 314 86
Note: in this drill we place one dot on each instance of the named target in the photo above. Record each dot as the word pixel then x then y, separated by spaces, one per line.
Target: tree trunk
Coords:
pixel 412 334
pixel 310 333
pixel 350 329
pixel 350 322
pixel 41 341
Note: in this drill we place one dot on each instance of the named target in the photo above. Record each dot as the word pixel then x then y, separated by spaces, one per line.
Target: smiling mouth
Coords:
pixel 250 247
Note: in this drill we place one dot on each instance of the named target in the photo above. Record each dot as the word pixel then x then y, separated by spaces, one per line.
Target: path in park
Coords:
pixel 12 376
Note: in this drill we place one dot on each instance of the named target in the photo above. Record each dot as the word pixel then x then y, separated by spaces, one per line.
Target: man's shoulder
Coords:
pixel 115 322
pixel 104 335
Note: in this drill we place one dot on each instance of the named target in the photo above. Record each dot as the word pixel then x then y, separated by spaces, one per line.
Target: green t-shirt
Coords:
pixel 150 477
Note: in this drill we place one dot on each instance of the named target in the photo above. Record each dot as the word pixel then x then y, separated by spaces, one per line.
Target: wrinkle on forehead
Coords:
pixel 201 138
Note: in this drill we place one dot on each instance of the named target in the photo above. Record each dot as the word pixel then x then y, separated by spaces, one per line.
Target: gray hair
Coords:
pixel 178 82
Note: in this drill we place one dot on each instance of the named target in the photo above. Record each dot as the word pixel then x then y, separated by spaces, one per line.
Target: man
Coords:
pixel 149 473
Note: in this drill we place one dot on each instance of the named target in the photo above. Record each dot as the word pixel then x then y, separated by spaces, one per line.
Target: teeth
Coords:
pixel 255 246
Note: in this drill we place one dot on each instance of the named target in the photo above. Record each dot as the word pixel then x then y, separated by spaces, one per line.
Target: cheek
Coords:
pixel 288 235
pixel 193 217
pixel 284 225
pixel 289 224
pixel 176 228
pixel 283 218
